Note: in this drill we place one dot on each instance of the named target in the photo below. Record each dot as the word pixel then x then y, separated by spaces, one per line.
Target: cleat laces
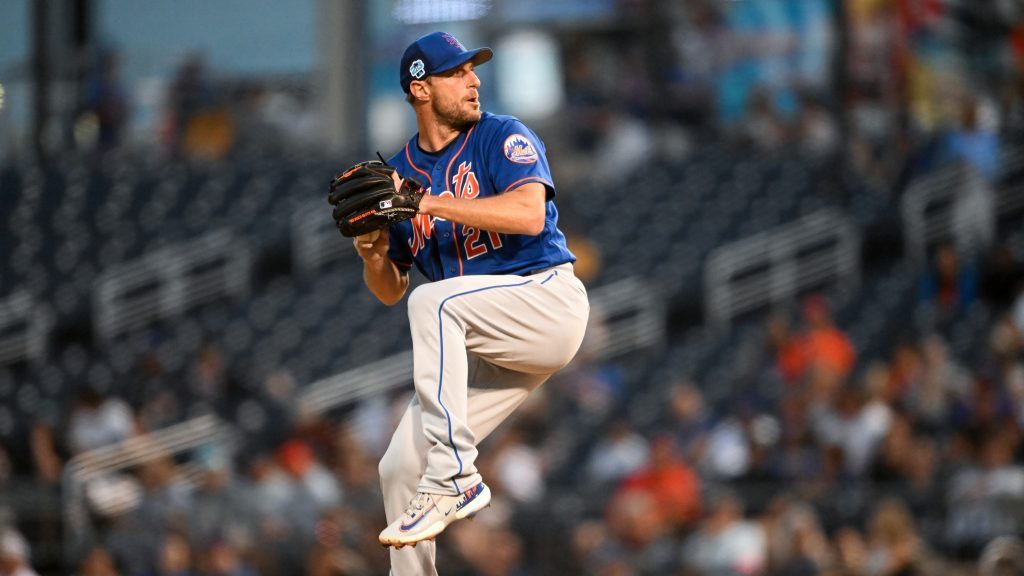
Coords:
pixel 417 504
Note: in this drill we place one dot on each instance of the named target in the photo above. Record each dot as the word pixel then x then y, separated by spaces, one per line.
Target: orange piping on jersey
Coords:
pixel 527 180
pixel 447 171
pixel 414 167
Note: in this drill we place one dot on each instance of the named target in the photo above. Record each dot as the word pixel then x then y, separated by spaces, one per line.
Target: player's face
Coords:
pixel 455 97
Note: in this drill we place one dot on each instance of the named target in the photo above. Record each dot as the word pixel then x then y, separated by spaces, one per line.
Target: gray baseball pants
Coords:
pixel 481 344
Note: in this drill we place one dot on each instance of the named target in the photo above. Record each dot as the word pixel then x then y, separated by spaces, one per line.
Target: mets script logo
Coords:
pixel 519 150
pixel 451 40
pixel 417 69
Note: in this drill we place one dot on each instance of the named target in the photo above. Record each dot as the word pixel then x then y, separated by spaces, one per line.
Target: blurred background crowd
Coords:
pixel 801 223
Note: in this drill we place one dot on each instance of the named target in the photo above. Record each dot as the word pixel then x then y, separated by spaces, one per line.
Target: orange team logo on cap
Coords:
pixel 519 150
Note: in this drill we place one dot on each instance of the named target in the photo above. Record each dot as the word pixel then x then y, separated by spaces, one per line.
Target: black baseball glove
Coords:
pixel 365 199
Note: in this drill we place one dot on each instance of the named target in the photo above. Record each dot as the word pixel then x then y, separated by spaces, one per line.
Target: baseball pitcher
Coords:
pixel 469 202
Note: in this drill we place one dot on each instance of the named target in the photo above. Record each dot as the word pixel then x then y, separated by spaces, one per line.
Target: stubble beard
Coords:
pixel 454 116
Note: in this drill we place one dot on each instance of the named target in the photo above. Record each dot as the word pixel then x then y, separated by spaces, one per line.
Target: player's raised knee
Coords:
pixel 426 298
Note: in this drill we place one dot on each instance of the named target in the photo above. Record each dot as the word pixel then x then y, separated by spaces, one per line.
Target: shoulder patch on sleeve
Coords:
pixel 519 149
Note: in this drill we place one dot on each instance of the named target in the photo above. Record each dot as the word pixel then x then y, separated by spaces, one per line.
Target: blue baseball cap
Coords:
pixel 437 52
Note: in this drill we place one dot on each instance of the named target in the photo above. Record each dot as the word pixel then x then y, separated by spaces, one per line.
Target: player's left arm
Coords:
pixel 518 211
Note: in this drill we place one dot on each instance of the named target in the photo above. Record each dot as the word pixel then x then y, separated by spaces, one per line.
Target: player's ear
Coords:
pixel 419 91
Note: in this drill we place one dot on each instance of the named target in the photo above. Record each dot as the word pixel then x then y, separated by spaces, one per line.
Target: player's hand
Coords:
pixel 425 200
pixel 373 252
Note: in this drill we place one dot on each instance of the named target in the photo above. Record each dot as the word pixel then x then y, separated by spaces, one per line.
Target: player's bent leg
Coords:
pixel 440 375
pixel 495 393
pixel 532 324
pixel 402 464
pixel 400 469
pixel 523 325
pixel 539 327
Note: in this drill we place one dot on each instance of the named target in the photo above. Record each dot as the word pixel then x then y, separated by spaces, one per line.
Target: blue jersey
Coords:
pixel 496 155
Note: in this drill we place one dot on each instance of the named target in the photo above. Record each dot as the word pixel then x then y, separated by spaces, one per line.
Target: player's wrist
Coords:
pixel 425 203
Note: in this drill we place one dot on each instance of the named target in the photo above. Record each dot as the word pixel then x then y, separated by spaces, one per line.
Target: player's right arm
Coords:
pixel 382 277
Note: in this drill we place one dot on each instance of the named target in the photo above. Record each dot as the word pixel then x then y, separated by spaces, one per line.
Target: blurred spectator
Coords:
pixel 45 454
pixel 174 557
pixel 587 87
pixel 986 497
pixel 213 386
pixel 270 491
pixel 618 453
pixel 922 488
pixel 1002 556
pixel 689 419
pixel 626 144
pixel 942 386
pixel 14 554
pixel 973 140
pixel 894 452
pixel 190 93
pixel 726 544
pixel 371 425
pixel 851 551
pixel 518 468
pixel 893 544
pixel 294 116
pixel 726 454
pixel 820 346
pixel 132 536
pixel 98 562
pixel 788 349
pixel 701 45
pixel 338 535
pixel 827 347
pixel 313 486
pixel 197 125
pixel 857 422
pixel 588 258
pixel 796 543
pixel 764 128
pixel 1006 371
pixel 222 558
pixel 589 383
pixel 816 130
pixel 1018 315
pixel 669 480
pixel 104 109
pixel 636 537
pixel 209 379
pixel 324 561
pixel 98 420
pixel 356 468
pixel 491 551
pixel 906 369
pixel 873 422
pixel 218 505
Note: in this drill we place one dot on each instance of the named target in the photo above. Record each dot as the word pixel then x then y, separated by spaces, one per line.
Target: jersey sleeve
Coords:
pixel 398 250
pixel 516 156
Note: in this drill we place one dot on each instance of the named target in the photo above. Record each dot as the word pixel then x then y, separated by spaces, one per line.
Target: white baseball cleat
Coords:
pixel 429 514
